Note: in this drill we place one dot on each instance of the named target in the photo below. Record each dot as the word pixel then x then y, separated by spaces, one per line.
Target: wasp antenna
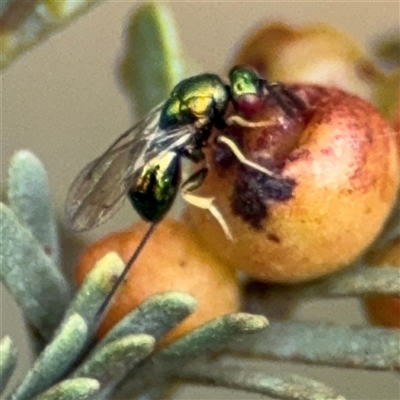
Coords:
pixel 279 94
pixel 127 268
pixel 295 99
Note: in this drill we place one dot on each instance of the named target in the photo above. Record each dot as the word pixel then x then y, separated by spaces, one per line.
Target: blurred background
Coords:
pixel 63 101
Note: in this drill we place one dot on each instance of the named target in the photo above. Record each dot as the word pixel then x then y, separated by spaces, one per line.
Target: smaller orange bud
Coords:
pixel 316 53
pixel 172 260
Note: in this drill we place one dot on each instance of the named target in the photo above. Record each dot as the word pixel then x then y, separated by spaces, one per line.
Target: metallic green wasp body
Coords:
pixel 145 161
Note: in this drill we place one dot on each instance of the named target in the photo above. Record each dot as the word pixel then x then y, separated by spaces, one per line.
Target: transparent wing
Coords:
pixel 99 190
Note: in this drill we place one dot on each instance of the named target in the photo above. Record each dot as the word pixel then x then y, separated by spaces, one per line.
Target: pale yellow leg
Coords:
pixel 239 121
pixel 206 203
pixel 242 158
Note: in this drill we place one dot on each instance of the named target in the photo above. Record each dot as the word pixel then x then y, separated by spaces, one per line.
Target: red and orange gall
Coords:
pixel 340 175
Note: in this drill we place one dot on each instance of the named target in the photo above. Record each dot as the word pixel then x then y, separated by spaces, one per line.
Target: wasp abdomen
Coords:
pixel 154 191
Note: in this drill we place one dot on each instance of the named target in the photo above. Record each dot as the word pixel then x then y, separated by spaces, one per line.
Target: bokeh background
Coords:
pixel 64 102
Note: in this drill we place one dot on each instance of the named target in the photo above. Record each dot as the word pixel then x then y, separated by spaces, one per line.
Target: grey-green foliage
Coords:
pixel 31 275
pixel 153 61
pixel 8 361
pixel 156 316
pixel 283 386
pixel 325 344
pixel 210 337
pixel 115 359
pixel 29 198
pixel 71 389
pixel 32 21
pixel 56 359
pixel 129 360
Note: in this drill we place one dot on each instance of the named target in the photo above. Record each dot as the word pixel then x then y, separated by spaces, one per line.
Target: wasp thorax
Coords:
pixel 199 98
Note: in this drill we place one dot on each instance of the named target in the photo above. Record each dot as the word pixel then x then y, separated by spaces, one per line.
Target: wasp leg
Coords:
pixel 206 203
pixel 242 158
pixel 244 123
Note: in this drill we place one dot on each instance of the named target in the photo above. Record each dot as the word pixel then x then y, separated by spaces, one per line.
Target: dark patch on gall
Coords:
pixel 269 146
pixel 278 189
pixel 247 201
pixel 251 192
pixel 223 157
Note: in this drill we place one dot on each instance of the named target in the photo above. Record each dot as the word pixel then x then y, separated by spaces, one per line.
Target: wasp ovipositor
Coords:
pixel 145 161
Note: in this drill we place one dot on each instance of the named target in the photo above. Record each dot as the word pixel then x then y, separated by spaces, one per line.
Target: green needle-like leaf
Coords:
pixel 155 316
pixel 95 288
pixel 77 330
pixel 114 360
pixel 325 344
pixel 44 18
pixel 30 275
pixel 357 282
pixel 29 198
pixel 353 282
pixel 56 359
pixel 71 389
pixel 153 63
pixel 8 361
pixel 210 337
pixel 282 386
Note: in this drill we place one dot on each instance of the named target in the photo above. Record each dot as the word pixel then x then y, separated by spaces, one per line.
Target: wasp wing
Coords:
pixel 99 190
